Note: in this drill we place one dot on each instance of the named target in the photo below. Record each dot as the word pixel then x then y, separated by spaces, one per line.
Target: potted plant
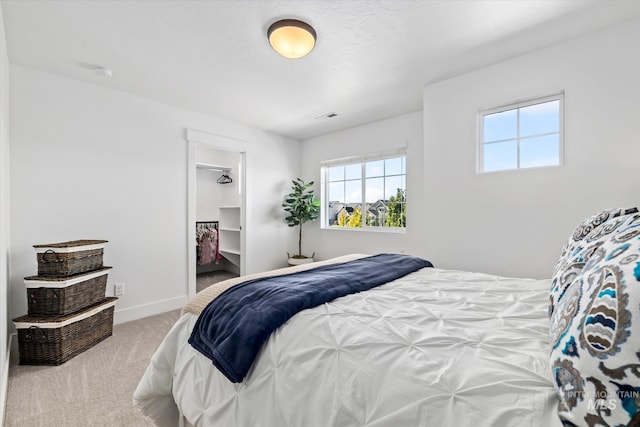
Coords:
pixel 301 206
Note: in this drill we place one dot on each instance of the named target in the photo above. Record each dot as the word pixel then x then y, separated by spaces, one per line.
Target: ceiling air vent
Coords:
pixel 330 115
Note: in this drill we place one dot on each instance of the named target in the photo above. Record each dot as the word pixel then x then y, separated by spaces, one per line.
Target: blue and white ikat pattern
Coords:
pixel 594 299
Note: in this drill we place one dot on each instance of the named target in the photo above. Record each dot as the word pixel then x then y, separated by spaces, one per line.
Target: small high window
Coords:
pixel 366 192
pixel 523 135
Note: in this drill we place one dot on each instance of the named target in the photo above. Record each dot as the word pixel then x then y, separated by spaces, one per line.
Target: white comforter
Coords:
pixel 435 348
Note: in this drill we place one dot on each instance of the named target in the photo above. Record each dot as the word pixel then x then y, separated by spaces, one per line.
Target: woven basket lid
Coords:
pixel 66 318
pixel 71 243
pixel 71 278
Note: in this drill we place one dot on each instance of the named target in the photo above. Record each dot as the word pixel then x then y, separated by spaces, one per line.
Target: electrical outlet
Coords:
pixel 118 289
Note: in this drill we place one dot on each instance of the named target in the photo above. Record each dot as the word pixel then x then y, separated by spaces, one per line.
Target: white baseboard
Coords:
pixel 4 380
pixel 150 309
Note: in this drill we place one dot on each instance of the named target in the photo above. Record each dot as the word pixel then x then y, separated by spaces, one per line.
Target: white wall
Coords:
pixel 4 214
pixel 209 194
pixel 370 138
pixel 88 162
pixel 507 223
pixel 515 223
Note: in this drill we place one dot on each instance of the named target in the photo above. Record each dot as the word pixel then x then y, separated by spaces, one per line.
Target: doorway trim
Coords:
pixel 194 139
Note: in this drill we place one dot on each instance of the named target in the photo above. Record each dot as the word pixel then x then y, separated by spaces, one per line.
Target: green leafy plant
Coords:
pixel 397 216
pixel 301 206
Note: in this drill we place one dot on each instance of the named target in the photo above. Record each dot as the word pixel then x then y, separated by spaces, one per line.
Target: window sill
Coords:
pixel 519 169
pixel 368 229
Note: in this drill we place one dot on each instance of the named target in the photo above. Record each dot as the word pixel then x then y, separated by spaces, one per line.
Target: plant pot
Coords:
pixel 299 261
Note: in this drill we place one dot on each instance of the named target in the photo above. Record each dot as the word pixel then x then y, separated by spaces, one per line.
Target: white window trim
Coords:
pixel 480 140
pixel 324 187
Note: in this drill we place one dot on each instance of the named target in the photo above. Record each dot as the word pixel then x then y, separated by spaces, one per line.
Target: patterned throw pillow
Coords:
pixel 595 359
pixel 577 250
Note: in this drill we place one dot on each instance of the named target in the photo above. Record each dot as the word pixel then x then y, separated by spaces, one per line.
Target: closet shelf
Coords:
pixel 215 168
pixel 230 233
pixel 230 251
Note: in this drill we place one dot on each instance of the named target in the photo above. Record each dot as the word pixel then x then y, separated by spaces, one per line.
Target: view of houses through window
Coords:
pixel 368 194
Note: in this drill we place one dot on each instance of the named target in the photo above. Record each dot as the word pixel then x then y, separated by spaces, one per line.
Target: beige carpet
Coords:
pixel 93 389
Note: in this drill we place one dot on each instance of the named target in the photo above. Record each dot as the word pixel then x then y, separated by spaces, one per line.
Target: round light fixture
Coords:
pixel 98 70
pixel 292 38
pixel 101 71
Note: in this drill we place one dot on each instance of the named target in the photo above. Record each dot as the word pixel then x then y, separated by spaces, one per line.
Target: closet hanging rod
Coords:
pixel 201 225
pixel 215 168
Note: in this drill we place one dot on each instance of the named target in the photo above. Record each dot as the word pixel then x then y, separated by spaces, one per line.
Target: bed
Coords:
pixel 432 348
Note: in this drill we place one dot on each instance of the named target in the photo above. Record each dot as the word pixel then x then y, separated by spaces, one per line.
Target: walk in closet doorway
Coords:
pixel 216 210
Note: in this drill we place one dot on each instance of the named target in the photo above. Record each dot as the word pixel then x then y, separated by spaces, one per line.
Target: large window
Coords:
pixel 366 192
pixel 524 135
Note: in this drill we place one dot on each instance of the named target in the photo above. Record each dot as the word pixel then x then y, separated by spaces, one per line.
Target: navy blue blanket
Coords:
pixel 232 328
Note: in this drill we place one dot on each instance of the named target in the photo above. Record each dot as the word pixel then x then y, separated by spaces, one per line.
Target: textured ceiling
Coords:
pixel 371 60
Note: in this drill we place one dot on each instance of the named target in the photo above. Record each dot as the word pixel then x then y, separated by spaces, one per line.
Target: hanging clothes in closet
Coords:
pixel 207 239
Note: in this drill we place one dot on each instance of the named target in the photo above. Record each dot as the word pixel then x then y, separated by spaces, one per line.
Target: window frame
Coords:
pixel 480 144
pixel 362 160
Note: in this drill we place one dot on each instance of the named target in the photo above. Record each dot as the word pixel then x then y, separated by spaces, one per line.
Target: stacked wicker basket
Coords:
pixel 68 312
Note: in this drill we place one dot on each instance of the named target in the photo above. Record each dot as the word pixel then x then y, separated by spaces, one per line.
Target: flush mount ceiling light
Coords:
pixel 98 70
pixel 101 71
pixel 292 38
